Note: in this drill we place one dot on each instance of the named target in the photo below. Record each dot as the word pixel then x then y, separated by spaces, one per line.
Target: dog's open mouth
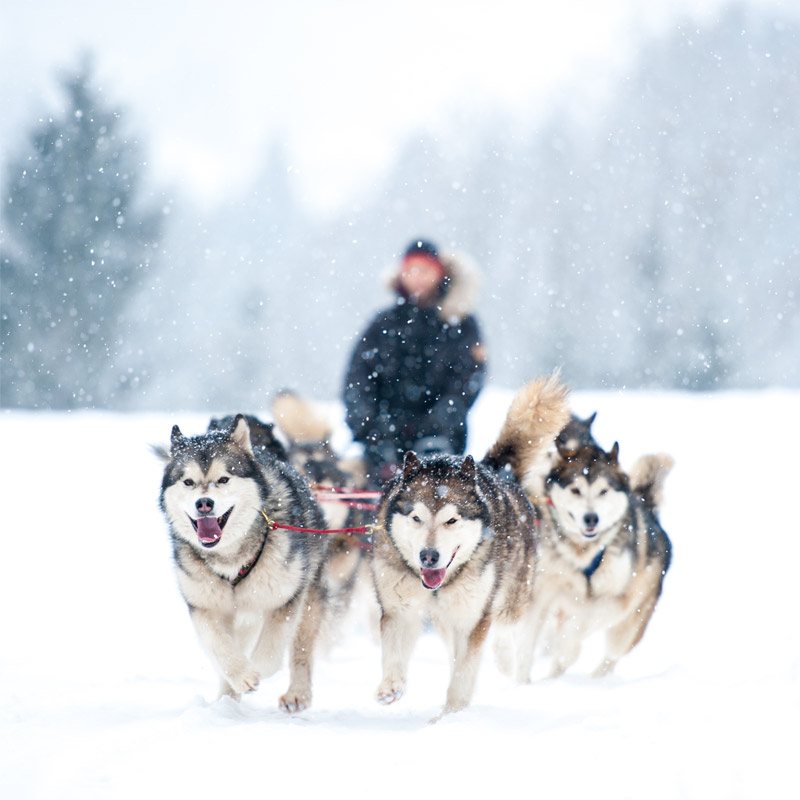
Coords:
pixel 434 578
pixel 209 529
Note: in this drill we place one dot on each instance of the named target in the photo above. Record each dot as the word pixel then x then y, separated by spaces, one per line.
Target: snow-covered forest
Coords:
pixel 640 237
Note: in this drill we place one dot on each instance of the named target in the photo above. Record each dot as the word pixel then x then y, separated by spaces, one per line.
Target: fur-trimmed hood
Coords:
pixel 461 291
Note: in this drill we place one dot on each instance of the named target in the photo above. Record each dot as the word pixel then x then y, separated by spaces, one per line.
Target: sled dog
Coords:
pixel 603 556
pixel 575 434
pixel 308 433
pixel 455 545
pixel 262 434
pixel 253 593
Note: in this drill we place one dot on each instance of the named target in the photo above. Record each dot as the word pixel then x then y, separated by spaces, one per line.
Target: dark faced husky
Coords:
pixel 603 553
pixel 252 592
pixel 308 433
pixel 310 451
pixel 262 435
pixel 575 434
pixel 455 544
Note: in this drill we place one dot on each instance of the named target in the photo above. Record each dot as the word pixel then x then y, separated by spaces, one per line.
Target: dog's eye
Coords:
pixel 416 519
pixel 188 482
pixel 603 491
pixel 451 521
pixel 576 492
pixel 223 480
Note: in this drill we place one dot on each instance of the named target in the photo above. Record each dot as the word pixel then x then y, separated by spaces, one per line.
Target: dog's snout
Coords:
pixel 591 519
pixel 429 558
pixel 205 505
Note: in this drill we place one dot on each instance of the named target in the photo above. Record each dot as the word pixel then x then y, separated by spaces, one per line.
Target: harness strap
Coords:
pixel 362 529
pixel 353 498
pixel 592 568
pixel 359 506
pixel 244 571
pixel 343 490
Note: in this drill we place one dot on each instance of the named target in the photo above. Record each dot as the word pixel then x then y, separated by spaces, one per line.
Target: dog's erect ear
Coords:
pixel 175 439
pixel 588 422
pixel 613 453
pixel 240 433
pixel 467 470
pixel 411 464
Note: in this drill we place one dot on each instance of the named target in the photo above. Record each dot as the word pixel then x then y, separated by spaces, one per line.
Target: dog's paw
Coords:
pixel 390 691
pixel 292 702
pixel 606 667
pixel 244 680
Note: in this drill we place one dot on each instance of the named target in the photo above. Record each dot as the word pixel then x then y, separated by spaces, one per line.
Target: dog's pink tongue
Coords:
pixel 208 530
pixel 433 578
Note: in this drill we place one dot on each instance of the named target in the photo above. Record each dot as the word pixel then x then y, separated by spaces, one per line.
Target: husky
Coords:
pixel 262 434
pixel 253 592
pixel 310 451
pixel 308 433
pixel 575 434
pixel 455 545
pixel 603 556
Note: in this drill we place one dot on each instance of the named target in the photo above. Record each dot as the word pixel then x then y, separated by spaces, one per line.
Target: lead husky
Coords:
pixel 603 553
pixel 252 592
pixel 455 544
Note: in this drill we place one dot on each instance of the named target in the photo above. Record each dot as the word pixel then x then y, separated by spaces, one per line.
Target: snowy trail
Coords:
pixel 106 693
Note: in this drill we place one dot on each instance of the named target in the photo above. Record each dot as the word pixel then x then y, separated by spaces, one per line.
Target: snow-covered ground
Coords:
pixel 107 695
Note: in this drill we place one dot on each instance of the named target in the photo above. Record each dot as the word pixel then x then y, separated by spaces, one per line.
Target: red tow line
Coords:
pixel 350 533
pixel 350 497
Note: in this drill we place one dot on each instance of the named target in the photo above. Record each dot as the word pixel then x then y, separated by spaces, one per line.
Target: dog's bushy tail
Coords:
pixel 647 478
pixel 298 419
pixel 537 414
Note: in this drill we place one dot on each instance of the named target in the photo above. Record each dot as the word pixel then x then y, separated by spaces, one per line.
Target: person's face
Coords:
pixel 420 277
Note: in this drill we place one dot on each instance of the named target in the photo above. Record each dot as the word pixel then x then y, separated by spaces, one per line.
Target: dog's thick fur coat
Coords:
pixel 456 544
pixel 252 593
pixel 603 556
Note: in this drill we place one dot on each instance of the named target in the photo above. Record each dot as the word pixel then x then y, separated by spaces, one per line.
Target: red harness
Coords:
pixel 349 533
pixel 350 497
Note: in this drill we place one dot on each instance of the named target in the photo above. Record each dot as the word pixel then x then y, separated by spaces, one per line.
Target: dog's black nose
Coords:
pixel 429 558
pixel 591 519
pixel 205 505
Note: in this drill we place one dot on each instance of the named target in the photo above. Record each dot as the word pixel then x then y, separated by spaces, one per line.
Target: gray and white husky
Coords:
pixel 253 592
pixel 603 556
pixel 456 545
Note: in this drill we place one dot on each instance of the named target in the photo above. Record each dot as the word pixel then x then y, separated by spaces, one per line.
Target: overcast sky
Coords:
pixel 208 85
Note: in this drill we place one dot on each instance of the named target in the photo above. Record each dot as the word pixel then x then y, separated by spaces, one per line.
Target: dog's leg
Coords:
pixel 399 632
pixel 279 626
pixel 566 644
pixel 504 650
pixel 301 656
pixel 529 629
pixel 466 661
pixel 625 635
pixel 215 632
